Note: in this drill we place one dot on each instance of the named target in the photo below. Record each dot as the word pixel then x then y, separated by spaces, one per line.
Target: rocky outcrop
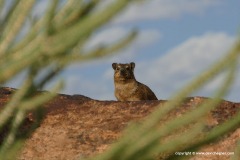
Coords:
pixel 77 126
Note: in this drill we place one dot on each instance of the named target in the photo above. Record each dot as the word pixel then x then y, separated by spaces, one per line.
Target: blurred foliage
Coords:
pixel 46 43
pixel 57 39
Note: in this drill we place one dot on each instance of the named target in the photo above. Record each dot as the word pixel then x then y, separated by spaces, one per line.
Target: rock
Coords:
pixel 77 126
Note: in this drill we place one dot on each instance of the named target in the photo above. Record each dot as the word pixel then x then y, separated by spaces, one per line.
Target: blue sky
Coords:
pixel 177 41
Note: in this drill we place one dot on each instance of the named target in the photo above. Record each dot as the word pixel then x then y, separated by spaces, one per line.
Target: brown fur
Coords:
pixel 127 88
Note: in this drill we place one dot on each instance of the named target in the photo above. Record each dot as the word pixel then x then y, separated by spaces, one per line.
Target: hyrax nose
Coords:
pixel 122 71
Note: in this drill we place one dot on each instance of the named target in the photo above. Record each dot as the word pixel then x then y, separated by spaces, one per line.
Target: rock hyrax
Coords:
pixel 127 88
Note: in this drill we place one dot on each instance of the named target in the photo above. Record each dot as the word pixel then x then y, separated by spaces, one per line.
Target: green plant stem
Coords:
pixel 18 120
pixel 14 25
pixel 49 17
pixel 236 155
pixel 82 10
pixel 9 108
pixel 9 12
pixel 2 2
pixel 41 99
pixel 66 10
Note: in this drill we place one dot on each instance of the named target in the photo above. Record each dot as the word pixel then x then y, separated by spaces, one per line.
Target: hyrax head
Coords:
pixel 123 71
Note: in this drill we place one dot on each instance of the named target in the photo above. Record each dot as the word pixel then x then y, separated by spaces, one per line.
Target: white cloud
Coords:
pixel 111 35
pixel 107 36
pixel 145 39
pixel 158 9
pixel 172 71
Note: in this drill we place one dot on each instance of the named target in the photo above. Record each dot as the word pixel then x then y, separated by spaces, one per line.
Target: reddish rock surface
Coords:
pixel 77 126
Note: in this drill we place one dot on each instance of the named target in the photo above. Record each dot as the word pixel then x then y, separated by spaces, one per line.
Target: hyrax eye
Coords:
pixel 127 68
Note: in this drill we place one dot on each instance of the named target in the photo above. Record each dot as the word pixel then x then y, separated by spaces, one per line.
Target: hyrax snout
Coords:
pixel 127 88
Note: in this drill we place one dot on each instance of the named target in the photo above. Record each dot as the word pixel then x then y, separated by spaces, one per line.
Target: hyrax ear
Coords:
pixel 132 65
pixel 114 65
